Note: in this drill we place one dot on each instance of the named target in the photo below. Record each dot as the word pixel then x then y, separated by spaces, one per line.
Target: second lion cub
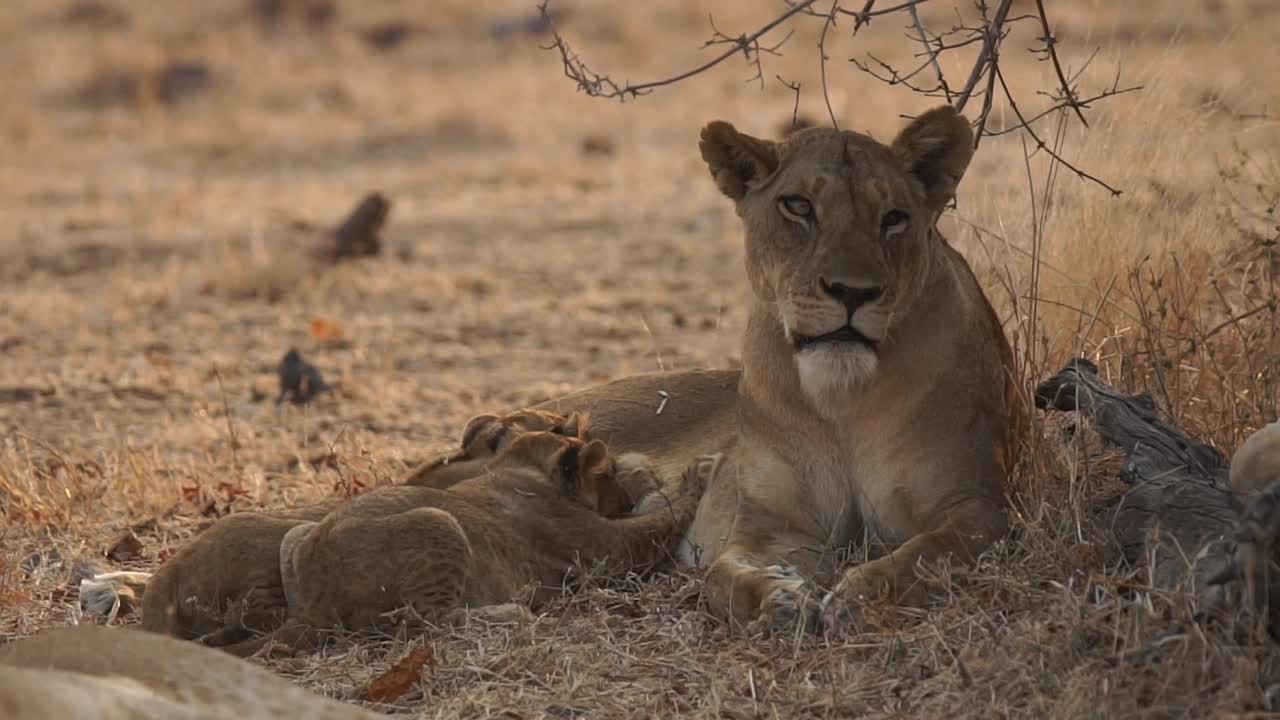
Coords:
pixel 547 503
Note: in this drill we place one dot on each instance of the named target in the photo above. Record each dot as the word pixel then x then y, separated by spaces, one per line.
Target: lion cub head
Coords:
pixel 580 470
pixel 485 437
pixel 839 232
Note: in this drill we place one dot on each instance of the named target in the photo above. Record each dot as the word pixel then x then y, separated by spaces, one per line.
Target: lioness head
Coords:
pixel 839 232
pixel 583 471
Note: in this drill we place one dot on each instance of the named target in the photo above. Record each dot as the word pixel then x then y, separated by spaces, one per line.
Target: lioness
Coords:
pixel 876 398
pixel 225 584
pixel 89 672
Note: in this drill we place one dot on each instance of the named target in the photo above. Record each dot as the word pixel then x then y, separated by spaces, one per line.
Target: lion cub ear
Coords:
pixel 574 426
pixel 474 427
pixel 736 160
pixel 937 147
pixel 584 471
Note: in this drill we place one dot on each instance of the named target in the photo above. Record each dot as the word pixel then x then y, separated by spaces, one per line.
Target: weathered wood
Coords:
pixel 1179 513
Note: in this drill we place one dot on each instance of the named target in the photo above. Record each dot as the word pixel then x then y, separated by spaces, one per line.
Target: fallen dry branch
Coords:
pixel 1179 514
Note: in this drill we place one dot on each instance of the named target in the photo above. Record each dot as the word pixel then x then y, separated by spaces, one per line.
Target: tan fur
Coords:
pixel 893 453
pixel 546 503
pixel 1256 463
pixel 225 585
pixel 482 439
pixel 89 672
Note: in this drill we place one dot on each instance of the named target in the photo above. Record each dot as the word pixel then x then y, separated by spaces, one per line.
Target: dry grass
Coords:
pixel 149 282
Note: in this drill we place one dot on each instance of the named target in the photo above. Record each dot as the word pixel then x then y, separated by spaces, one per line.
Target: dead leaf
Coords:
pixel 231 491
pixel 319 461
pixel 395 682
pixel 326 331
pixel 159 360
pixel 127 548
pixel 349 487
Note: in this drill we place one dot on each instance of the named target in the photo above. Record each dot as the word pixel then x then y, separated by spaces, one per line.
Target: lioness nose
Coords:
pixel 851 297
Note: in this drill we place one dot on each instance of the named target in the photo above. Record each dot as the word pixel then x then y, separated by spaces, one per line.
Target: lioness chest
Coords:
pixel 859 487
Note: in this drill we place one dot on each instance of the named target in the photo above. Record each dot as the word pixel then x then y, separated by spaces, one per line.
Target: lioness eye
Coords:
pixel 894 221
pixel 796 206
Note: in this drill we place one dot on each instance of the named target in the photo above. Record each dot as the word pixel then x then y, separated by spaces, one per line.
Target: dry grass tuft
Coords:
pixel 152 273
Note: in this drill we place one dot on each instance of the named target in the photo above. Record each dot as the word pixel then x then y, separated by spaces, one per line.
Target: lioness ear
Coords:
pixel 937 147
pixel 475 426
pixel 736 160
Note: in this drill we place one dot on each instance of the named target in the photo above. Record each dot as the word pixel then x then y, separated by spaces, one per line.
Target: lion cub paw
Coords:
pixel 790 607
pixel 636 475
pixel 108 594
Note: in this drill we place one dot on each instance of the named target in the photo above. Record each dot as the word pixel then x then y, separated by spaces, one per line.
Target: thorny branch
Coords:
pixel 930 50
pixel 984 79
pixel 795 107
pixel 597 85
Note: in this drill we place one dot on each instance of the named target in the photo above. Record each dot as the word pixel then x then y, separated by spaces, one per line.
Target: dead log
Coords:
pixel 1179 513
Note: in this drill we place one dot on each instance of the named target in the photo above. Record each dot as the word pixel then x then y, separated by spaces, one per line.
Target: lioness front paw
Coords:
pixel 791 606
pixel 842 607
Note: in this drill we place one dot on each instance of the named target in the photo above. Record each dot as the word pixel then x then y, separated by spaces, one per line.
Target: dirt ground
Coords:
pixel 164 171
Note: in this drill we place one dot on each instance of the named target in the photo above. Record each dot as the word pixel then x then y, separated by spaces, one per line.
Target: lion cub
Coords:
pixel 545 504
pixel 225 584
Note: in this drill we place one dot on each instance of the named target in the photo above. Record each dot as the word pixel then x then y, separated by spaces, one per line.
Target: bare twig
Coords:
pixel 1040 144
pixel 1081 103
pixel 795 107
pixel 984 79
pixel 597 85
pixel 991 40
pixel 930 50
pixel 1050 45
pixel 827 24
pixel 231 426
pixel 751 49
pixel 863 16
